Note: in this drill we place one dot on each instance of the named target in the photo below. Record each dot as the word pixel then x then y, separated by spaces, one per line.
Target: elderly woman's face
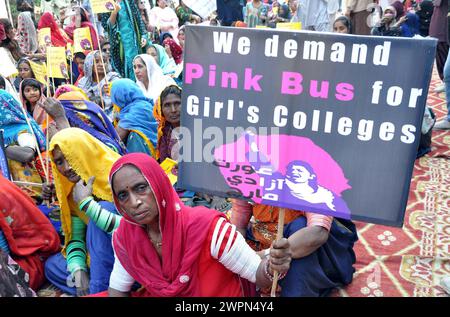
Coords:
pixel 135 196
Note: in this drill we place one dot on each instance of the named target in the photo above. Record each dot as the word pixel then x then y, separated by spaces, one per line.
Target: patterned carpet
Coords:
pixel 410 261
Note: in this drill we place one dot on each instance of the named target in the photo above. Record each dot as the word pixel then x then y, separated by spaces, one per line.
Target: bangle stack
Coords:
pixel 270 276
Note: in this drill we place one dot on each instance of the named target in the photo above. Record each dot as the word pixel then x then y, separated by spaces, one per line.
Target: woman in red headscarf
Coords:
pixel 59 37
pixel 173 250
pixel 82 16
pixel 28 236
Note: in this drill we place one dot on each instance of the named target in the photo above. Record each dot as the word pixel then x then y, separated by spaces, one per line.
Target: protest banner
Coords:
pixel 39 71
pixel 82 41
pixel 69 52
pixel 102 6
pixel 168 165
pixel 295 26
pixel 204 8
pixel 44 37
pixel 56 62
pixel 319 122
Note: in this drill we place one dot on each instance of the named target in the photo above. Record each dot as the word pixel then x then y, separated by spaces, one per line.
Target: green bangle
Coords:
pixel 85 201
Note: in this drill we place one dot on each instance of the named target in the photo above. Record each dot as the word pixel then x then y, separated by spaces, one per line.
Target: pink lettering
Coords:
pixel 251 82
pixel 324 87
pixel 229 80
pixel 193 71
pixel 291 83
pixel 212 76
pixel 344 92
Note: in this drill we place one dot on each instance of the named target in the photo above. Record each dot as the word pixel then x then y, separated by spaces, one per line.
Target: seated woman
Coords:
pixel 181 36
pixel 96 79
pixel 163 60
pixel 72 109
pixel 25 233
pixel 25 71
pixel 167 112
pixel 175 250
pixel 342 25
pixel 321 247
pixel 279 14
pixel 87 215
pixel 388 25
pixel 150 77
pixel 22 141
pixel 411 27
pixel 32 93
pixel 173 50
pixel 135 123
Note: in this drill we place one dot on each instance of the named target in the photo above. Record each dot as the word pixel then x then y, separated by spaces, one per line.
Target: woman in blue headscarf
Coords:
pixel 22 138
pixel 411 27
pixel 128 36
pixel 134 123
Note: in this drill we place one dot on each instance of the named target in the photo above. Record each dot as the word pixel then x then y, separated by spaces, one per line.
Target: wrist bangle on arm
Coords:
pixel 267 272
pixel 84 202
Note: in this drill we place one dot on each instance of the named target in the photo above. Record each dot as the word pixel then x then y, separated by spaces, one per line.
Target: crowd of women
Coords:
pixel 85 204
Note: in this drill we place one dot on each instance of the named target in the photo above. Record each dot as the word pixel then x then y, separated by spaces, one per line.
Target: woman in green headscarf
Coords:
pixel 166 63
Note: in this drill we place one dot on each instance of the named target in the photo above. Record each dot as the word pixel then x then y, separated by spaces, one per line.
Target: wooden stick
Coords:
pixel 279 236
pixel 98 82
pixel 100 49
pixel 71 77
pixel 20 183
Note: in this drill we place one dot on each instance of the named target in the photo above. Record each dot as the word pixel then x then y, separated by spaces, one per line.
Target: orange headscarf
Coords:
pixel 157 113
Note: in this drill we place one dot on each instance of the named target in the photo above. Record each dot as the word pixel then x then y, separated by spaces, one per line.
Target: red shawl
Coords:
pixel 59 38
pixel 30 235
pixel 184 232
pixel 177 51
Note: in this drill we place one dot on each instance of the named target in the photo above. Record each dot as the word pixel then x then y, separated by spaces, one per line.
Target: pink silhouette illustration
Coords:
pixel 109 6
pixel 85 44
pixel 298 174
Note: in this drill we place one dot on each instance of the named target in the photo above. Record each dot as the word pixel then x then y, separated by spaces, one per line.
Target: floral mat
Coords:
pixel 410 261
